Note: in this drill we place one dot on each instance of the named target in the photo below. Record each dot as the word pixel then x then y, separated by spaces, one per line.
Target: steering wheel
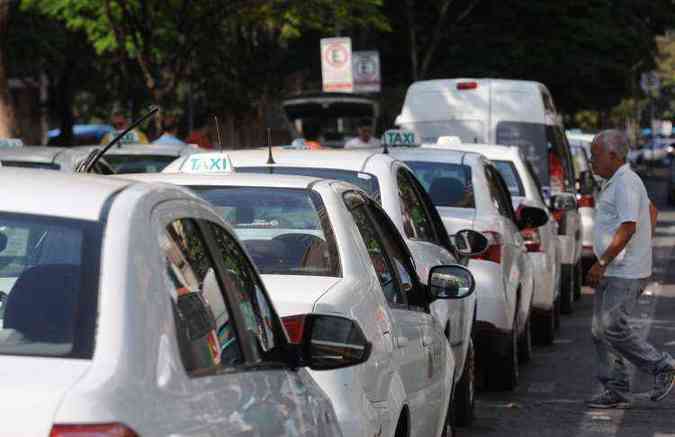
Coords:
pixel 297 244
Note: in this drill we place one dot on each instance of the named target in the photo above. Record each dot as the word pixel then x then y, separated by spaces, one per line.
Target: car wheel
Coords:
pixel 503 374
pixel 525 344
pixel 578 272
pixel 544 328
pixel 567 296
pixel 465 391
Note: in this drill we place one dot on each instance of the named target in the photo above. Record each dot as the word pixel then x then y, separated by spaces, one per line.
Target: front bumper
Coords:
pixel 491 297
pixel 545 290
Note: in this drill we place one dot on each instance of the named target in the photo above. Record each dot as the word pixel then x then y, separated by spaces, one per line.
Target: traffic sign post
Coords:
pixel 336 65
pixel 366 71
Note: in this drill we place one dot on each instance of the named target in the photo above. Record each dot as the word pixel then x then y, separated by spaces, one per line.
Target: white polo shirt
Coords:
pixel 357 143
pixel 624 199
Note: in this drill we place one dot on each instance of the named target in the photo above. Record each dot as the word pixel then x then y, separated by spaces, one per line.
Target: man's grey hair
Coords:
pixel 613 140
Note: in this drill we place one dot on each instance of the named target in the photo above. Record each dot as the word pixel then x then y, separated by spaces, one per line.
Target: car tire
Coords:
pixel 578 278
pixel 525 344
pixel 503 372
pixel 567 296
pixel 465 390
pixel 544 328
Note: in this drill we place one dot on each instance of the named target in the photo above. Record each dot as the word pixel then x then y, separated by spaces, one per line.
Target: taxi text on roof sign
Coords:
pixel 207 163
pixel 10 143
pixel 399 137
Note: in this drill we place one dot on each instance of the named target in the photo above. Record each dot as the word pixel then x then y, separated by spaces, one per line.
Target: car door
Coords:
pixel 234 375
pixel 418 338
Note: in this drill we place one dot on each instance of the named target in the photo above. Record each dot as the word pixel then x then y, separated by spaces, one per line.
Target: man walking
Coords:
pixel 624 222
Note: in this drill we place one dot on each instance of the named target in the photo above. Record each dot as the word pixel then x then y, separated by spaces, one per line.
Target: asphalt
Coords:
pixel 553 386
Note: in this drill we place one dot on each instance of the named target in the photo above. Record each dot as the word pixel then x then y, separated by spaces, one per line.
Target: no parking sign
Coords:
pixel 336 65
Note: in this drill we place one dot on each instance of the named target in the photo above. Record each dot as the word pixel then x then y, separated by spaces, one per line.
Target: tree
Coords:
pixel 6 116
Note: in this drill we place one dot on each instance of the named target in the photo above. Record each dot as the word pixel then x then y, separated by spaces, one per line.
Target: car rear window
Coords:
pixel 447 184
pixel 30 164
pixel 366 181
pixel 124 164
pixel 48 285
pixel 510 175
pixel 286 231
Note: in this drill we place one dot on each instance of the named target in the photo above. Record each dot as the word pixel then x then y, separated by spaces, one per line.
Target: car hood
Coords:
pixel 456 219
pixel 294 294
pixel 32 390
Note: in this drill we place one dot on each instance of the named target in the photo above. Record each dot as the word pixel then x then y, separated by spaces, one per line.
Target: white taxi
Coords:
pixel 392 184
pixel 48 158
pixel 325 246
pixel 131 309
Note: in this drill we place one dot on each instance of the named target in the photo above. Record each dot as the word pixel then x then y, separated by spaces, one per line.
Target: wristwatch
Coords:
pixel 602 262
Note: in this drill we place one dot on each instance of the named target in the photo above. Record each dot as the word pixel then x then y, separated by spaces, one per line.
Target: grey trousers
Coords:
pixel 616 340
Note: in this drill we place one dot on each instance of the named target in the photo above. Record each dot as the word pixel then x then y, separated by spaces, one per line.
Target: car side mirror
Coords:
pixel 586 182
pixel 531 217
pixel 469 242
pixel 3 241
pixel 563 202
pixel 450 282
pixel 333 342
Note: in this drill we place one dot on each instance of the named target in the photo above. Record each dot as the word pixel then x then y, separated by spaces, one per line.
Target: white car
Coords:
pixel 143 158
pixel 587 191
pixel 469 192
pixel 131 309
pixel 48 158
pixel 393 185
pixel 541 242
pixel 325 246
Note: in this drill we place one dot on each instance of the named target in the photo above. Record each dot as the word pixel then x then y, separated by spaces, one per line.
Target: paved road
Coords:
pixel 550 399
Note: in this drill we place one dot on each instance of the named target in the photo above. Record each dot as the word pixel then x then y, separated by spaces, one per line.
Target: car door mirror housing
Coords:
pixel 333 342
pixel 469 242
pixel 563 202
pixel 450 282
pixel 531 217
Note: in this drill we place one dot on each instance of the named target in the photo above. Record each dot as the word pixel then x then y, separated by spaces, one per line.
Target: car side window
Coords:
pixel 207 339
pixel 243 283
pixel 494 191
pixel 378 256
pixel 504 196
pixel 416 221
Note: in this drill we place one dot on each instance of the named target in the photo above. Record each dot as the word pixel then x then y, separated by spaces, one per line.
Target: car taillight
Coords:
pixel 467 86
pixel 532 239
pixel 97 430
pixel 295 327
pixel 494 251
pixel 558 215
pixel 586 201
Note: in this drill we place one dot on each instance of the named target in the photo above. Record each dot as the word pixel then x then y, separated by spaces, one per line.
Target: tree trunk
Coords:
pixel 6 113
pixel 412 35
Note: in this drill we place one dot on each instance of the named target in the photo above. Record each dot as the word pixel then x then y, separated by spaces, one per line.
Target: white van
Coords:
pixel 507 112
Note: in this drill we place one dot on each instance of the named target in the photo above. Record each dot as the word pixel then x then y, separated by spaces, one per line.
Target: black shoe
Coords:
pixel 663 384
pixel 608 399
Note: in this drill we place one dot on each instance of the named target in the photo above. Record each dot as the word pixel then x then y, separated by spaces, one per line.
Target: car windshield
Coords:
pixel 48 285
pixel 510 175
pixel 366 181
pixel 447 184
pixel 286 231
pixel 31 164
pixel 138 163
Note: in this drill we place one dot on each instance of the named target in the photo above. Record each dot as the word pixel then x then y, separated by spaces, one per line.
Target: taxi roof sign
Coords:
pixel 399 138
pixel 202 163
pixel 10 143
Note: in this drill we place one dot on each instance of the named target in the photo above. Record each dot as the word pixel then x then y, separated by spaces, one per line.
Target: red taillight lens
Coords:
pixel 558 215
pixel 586 202
pixel 295 327
pixel 532 239
pixel 467 86
pixel 98 430
pixel 494 250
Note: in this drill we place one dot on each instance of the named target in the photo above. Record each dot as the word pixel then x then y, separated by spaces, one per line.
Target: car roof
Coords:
pixel 31 153
pixel 354 160
pixel 232 179
pixel 435 155
pixel 145 149
pixel 57 194
pixel 490 151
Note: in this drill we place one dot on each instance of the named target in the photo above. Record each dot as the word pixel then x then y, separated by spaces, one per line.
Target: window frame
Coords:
pixel 404 174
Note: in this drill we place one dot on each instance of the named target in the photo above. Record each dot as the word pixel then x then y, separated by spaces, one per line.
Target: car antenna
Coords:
pixel 96 154
pixel 270 158
pixel 220 139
